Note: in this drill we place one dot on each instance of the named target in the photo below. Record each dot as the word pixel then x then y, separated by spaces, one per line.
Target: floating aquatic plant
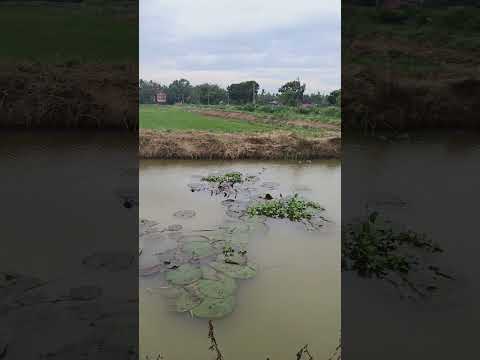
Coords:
pixel 372 248
pixel 293 208
pixel 212 308
pixel 217 289
pixel 246 271
pixel 199 248
pixel 186 301
pixel 185 274
pixel 231 177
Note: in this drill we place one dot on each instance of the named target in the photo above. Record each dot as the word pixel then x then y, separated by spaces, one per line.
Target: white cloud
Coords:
pixel 194 18
pixel 225 41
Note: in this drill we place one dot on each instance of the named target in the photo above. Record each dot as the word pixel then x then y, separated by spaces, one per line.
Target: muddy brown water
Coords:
pixel 61 204
pixel 430 184
pixel 295 297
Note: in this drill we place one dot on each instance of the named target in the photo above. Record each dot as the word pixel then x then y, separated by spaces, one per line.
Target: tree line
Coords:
pixel 291 93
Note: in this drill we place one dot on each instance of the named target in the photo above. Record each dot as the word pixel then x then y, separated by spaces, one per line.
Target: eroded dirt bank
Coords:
pixel 69 96
pixel 205 145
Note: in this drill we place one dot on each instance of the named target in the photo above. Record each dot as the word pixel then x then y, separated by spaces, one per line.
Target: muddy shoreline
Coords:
pixel 227 146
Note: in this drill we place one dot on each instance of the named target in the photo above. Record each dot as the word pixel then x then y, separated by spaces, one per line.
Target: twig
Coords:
pixel 304 350
pixel 213 341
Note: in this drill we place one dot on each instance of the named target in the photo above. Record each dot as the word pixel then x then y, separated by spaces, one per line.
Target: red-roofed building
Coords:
pixel 161 98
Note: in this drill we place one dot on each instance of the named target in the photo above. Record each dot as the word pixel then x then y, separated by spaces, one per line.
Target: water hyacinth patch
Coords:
pixel 231 177
pixel 293 208
pixel 373 248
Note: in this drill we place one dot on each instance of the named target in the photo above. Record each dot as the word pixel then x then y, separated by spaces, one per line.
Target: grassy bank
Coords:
pixel 176 118
pixel 65 65
pixel 320 114
pixel 410 69
pixel 194 118
pixel 177 132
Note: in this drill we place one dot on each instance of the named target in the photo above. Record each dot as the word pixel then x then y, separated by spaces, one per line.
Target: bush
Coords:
pixel 248 107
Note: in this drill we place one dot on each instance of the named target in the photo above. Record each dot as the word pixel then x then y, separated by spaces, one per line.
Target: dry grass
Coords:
pixel 69 96
pixel 219 146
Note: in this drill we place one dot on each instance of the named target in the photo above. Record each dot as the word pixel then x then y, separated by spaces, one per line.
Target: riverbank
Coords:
pixel 428 76
pixel 68 95
pixel 235 146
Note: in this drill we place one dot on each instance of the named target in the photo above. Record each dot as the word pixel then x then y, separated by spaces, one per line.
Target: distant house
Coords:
pixel 161 98
pixel 274 103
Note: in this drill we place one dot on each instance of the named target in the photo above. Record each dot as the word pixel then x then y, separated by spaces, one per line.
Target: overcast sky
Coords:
pixel 226 41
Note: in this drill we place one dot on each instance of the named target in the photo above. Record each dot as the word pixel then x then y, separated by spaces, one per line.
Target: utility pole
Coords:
pixel 208 95
pixel 253 94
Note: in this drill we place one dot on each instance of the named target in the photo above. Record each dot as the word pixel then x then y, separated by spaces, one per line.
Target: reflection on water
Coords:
pixel 295 297
pixel 429 184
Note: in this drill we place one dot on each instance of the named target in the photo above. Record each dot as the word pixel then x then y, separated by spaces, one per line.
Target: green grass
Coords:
pixel 176 119
pixel 326 115
pixel 92 32
pixel 428 43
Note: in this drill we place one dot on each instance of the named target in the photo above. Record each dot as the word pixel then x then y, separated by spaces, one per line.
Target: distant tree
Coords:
pixel 334 98
pixel 291 93
pixel 317 99
pixel 266 97
pixel 208 94
pixel 243 92
pixel 179 91
pixel 147 91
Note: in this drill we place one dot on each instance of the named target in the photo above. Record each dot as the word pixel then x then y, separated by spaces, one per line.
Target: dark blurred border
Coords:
pixel 68 148
pixel 411 148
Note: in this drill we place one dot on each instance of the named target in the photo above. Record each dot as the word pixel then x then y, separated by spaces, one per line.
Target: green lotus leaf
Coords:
pixel 186 301
pixel 235 271
pixel 199 248
pixel 208 273
pixel 217 289
pixel 214 308
pixel 184 275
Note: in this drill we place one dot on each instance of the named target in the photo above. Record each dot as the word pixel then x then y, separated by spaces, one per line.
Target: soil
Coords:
pixel 205 145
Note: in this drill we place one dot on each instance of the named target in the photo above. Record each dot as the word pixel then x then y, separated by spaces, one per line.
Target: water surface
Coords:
pixel 295 297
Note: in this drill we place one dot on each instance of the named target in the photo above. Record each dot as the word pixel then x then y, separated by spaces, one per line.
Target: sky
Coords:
pixel 229 41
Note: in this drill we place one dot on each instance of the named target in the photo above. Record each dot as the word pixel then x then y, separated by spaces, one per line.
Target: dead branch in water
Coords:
pixel 304 351
pixel 213 341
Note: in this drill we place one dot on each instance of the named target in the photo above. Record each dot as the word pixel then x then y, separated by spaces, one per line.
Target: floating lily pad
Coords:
pixel 194 238
pixel 197 187
pixel 217 289
pixel 199 248
pixel 208 273
pixel 152 236
pixel 174 227
pixel 144 225
pixel 152 270
pixel 214 308
pixel 227 202
pixel 175 235
pixel 186 301
pixel 164 245
pixel 270 185
pixel 185 214
pixel 184 275
pixel 235 271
